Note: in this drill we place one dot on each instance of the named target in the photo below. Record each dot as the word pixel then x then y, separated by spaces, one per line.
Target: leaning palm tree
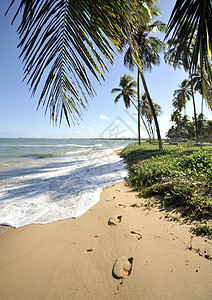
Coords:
pixel 191 22
pixel 66 43
pixel 147 112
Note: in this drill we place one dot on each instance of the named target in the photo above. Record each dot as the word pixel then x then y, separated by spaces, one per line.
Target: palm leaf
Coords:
pixel 191 21
pixel 67 42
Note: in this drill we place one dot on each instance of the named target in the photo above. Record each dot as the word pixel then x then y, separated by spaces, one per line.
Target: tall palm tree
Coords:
pixel 191 22
pixel 148 48
pixel 68 42
pixel 179 55
pixel 126 90
pixel 197 83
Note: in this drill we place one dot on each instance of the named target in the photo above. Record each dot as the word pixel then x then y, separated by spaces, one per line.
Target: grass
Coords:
pixel 178 176
pixel 203 230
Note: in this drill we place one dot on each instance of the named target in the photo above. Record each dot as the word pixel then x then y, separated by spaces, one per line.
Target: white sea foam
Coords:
pixel 57 187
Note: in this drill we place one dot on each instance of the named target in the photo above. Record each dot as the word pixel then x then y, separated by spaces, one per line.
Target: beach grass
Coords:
pixel 177 177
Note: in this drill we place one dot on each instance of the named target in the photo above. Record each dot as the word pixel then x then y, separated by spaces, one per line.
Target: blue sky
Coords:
pixel 18 115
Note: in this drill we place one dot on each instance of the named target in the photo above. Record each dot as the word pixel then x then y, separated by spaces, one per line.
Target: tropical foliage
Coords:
pixel 186 127
pixel 68 42
pixel 190 24
pixel 148 49
pixel 147 114
pixel 180 177
pixel 182 95
pixel 126 90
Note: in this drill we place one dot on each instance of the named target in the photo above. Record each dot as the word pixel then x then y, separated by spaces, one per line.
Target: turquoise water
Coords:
pixel 44 180
pixel 17 150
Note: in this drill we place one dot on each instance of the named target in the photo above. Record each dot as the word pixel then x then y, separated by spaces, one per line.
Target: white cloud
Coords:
pixel 82 127
pixel 94 120
pixel 102 117
pixel 100 126
pixel 116 121
pixel 128 122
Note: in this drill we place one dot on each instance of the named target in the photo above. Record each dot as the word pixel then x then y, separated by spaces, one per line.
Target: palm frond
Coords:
pixel 191 21
pixel 115 90
pixel 117 98
pixel 67 42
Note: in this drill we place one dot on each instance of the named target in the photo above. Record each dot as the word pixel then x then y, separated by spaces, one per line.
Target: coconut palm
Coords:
pixel 182 95
pixel 147 112
pixel 177 118
pixel 197 84
pixel 148 48
pixel 68 42
pixel 179 55
pixel 128 94
pixel 191 22
pixel 126 90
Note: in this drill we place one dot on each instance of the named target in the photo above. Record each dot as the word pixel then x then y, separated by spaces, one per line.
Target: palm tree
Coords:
pixel 191 22
pixel 182 95
pixel 147 112
pixel 197 84
pixel 177 118
pixel 67 42
pixel 126 90
pixel 148 48
pixel 179 55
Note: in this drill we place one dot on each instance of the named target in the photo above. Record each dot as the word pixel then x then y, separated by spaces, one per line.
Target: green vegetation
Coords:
pixel 202 230
pixel 177 176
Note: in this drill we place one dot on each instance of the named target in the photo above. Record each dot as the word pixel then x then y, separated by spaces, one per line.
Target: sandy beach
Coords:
pixel 74 258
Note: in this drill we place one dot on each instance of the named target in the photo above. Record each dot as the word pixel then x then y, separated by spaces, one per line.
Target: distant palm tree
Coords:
pixel 177 118
pixel 197 83
pixel 182 95
pixel 179 55
pixel 191 23
pixel 147 112
pixel 126 90
pixel 128 94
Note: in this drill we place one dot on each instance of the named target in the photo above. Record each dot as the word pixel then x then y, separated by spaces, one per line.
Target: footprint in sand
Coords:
pixel 136 234
pixel 122 267
pixel 111 199
pixel 114 221
pixel 121 205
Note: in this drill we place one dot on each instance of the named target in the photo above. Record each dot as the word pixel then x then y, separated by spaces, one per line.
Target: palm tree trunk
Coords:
pixel 139 108
pixel 153 136
pixel 153 110
pixel 194 106
pixel 142 120
pixel 201 126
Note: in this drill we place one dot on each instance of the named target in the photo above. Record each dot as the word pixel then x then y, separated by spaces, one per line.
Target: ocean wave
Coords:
pixel 58 188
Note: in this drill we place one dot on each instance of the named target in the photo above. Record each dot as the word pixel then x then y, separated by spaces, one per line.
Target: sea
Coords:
pixel 44 180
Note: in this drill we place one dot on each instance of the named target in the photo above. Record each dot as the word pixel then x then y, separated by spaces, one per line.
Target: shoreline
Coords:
pixel 58 189
pixel 74 258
